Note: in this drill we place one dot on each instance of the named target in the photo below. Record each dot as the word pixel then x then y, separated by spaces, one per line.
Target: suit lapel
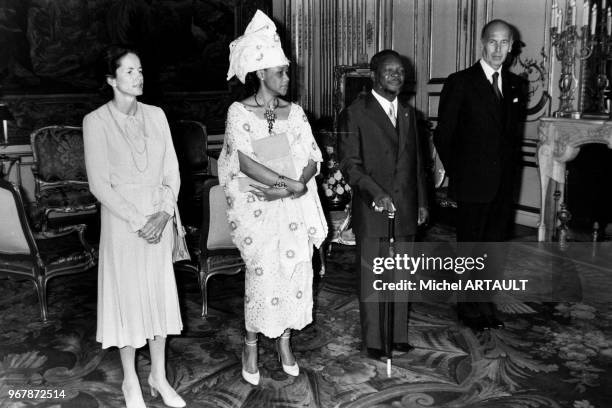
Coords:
pixel 508 90
pixel 403 127
pixel 379 116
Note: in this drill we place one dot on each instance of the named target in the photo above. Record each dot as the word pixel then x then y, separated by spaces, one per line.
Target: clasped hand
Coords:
pixel 152 231
pixel 294 189
pixel 384 203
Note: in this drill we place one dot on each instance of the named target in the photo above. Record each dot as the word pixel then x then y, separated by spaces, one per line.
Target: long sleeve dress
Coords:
pixel 275 238
pixel 133 171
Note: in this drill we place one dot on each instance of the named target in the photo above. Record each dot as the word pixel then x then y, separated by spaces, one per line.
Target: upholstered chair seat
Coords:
pixel 58 197
pixel 62 199
pixel 56 252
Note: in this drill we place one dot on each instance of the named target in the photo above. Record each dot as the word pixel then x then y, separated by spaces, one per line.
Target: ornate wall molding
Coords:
pixel 535 72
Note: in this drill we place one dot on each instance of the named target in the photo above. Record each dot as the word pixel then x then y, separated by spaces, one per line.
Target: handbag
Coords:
pixel 179 245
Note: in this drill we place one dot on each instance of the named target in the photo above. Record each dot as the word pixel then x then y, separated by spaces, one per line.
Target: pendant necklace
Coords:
pixel 133 148
pixel 269 113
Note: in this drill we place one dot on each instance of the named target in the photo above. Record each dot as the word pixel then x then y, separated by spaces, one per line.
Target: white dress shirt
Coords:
pixel 385 103
pixel 488 70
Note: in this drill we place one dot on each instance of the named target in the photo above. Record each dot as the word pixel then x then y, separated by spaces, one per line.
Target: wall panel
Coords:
pixel 433 99
pixel 443 38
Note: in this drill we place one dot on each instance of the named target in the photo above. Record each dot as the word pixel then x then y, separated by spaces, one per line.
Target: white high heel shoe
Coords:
pixel 170 397
pixel 133 398
pixel 251 378
pixel 292 370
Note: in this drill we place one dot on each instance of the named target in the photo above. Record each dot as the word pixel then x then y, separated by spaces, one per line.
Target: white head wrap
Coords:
pixel 258 48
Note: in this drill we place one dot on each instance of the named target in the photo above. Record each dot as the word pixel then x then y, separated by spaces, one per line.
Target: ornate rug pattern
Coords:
pixel 549 355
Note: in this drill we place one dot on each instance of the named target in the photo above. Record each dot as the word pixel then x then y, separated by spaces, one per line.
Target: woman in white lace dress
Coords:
pixel 275 224
pixel 133 172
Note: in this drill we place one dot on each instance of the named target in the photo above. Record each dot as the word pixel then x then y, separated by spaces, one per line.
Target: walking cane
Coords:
pixel 387 307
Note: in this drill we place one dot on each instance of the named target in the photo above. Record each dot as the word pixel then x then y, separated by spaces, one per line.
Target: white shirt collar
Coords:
pixel 488 70
pixel 385 102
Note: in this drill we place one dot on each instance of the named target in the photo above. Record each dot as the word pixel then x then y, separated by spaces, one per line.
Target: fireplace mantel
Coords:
pixel 560 142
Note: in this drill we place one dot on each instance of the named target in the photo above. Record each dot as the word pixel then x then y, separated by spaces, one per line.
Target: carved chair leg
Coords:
pixel 41 290
pixel 206 276
pixel 203 281
pixel 322 258
pixel 205 298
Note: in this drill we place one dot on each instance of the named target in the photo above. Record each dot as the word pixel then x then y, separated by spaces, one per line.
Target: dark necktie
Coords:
pixel 496 90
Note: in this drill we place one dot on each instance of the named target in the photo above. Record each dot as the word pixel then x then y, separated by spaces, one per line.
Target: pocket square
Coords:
pixel 515 100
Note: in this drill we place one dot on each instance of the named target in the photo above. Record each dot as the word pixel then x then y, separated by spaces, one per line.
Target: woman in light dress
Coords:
pixel 275 224
pixel 133 172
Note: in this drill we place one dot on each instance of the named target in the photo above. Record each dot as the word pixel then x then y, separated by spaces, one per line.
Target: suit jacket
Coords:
pixel 477 138
pixel 379 159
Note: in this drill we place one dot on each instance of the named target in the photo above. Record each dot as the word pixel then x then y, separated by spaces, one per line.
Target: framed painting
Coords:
pixel 349 83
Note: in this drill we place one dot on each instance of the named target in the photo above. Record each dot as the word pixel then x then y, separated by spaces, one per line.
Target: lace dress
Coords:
pixel 275 238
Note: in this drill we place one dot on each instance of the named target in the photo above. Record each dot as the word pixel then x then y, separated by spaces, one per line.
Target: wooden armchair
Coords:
pixel 216 253
pixel 190 143
pixel 60 177
pixel 38 257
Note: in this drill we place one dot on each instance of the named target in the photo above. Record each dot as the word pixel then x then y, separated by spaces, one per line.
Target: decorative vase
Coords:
pixel 336 191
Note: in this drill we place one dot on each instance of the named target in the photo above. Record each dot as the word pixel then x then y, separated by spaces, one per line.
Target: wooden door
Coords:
pixel 439 39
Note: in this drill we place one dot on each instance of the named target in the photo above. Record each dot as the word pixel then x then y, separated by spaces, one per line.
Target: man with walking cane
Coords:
pixel 381 158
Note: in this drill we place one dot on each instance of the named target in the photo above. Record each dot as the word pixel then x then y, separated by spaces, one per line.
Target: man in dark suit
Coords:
pixel 380 156
pixel 478 139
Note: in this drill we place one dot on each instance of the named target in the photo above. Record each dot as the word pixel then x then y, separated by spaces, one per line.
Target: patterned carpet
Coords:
pixel 549 355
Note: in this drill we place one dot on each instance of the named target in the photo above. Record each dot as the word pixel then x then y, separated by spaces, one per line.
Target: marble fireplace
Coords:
pixel 560 141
